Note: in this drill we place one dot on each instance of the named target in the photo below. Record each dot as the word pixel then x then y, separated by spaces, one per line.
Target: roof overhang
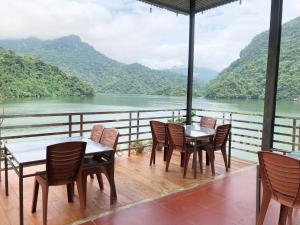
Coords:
pixel 183 6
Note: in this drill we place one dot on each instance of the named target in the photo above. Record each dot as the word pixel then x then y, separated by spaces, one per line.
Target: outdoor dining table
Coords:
pixel 31 153
pixel 198 134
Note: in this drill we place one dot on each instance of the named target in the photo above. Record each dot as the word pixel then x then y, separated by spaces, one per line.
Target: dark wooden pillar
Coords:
pixel 272 74
pixel 189 101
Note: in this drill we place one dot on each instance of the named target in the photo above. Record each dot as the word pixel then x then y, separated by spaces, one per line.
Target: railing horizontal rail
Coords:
pixel 86 113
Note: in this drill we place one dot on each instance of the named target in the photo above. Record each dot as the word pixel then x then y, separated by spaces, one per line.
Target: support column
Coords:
pixel 189 100
pixel 272 74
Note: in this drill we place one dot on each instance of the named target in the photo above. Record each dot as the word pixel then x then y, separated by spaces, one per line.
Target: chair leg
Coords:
pixel 166 149
pixel 182 159
pixel 45 203
pixel 283 214
pixel 200 160
pixel 225 159
pixel 266 198
pixel 81 187
pixel 169 158
pixel 109 175
pixel 152 158
pixel 207 159
pixel 35 196
pixel 70 191
pixel 211 155
pixel 100 181
pixel 186 162
pixel 290 212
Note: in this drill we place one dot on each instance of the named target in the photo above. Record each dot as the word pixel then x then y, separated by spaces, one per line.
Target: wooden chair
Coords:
pixel 96 133
pixel 177 141
pixel 219 143
pixel 208 122
pixel 100 164
pixel 159 138
pixel 63 167
pixel 281 181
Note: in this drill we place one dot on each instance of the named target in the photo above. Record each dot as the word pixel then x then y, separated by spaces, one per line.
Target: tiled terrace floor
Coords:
pixel 228 201
pixel 136 182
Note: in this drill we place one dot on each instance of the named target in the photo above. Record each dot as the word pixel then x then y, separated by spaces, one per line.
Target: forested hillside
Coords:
pixel 23 76
pixel 201 73
pixel 104 74
pixel 245 77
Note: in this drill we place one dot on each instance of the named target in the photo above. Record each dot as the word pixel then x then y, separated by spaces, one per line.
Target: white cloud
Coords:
pixel 126 31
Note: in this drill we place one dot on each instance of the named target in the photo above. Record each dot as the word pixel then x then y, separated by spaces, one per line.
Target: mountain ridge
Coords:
pixel 106 75
pixel 245 78
pixel 24 76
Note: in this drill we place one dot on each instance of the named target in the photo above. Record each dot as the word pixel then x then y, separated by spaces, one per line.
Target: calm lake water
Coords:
pixel 138 102
pixel 135 102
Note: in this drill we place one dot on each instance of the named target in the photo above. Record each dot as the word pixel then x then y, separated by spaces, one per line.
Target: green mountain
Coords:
pixel 104 74
pixel 23 76
pixel 201 73
pixel 246 77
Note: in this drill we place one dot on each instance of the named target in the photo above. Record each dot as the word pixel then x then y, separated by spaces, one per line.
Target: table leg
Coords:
pixel 21 194
pixel 6 171
pixel 258 191
pixel 195 159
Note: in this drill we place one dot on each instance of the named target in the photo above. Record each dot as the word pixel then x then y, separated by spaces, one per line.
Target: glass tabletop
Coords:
pixel 195 131
pixel 35 151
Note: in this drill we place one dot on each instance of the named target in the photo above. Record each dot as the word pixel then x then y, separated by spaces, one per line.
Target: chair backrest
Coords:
pixel 221 136
pixel 281 174
pixel 158 130
pixel 64 162
pixel 176 135
pixel 208 122
pixel 110 137
pixel 96 133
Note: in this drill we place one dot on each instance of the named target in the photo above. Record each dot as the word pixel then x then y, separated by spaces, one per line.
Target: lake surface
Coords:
pixel 138 102
pixel 135 102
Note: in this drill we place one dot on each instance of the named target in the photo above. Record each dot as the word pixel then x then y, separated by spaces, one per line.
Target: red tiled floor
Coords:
pixel 228 201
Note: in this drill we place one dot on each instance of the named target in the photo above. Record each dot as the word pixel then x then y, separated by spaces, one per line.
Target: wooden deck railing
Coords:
pixel 134 126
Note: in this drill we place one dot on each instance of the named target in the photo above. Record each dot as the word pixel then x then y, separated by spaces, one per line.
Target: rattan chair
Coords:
pixel 99 165
pixel 159 139
pixel 281 181
pixel 63 167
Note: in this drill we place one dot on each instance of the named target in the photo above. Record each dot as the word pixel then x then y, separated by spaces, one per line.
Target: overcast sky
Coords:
pixel 125 30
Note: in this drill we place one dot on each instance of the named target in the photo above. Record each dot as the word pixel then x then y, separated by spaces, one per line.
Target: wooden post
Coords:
pixel 294 135
pixel 137 126
pixel 272 74
pixel 70 125
pixel 299 139
pixel 189 103
pixel 223 118
pixel 81 124
pixel 129 133
pixel 229 144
